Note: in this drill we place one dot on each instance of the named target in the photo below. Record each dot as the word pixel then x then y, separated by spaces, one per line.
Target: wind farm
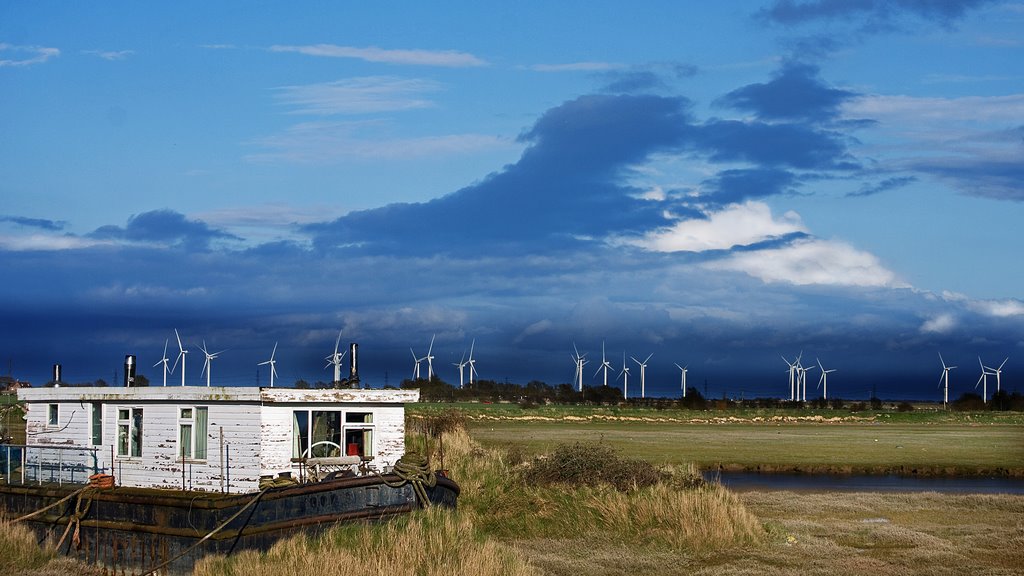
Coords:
pixel 835 385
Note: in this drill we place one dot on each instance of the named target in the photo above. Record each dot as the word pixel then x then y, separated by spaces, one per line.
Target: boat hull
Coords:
pixel 132 530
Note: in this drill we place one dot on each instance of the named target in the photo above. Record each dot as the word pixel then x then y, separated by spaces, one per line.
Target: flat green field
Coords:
pixel 875 443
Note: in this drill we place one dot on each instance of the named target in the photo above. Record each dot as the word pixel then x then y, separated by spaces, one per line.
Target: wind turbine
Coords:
pixel 792 376
pixel 997 372
pixel 332 359
pixel 461 365
pixel 682 378
pixel 824 379
pixel 605 365
pixel 643 370
pixel 983 379
pixel 803 380
pixel 164 361
pixel 416 368
pixel 944 380
pixel 580 361
pixel 472 362
pixel 181 356
pixel 625 377
pixel 430 358
pixel 273 370
pixel 207 366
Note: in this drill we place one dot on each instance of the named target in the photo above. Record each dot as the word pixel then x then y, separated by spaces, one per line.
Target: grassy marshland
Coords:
pixel 937 442
pixel 622 503
pixel 589 509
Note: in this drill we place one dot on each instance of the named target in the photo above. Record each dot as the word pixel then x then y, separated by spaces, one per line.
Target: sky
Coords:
pixel 716 185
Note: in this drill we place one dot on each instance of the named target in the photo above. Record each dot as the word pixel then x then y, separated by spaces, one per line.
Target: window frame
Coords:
pixel 303 439
pixel 199 429
pixel 96 424
pixel 130 432
pixel 53 415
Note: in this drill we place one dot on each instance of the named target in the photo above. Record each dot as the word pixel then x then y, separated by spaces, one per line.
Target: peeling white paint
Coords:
pixel 256 424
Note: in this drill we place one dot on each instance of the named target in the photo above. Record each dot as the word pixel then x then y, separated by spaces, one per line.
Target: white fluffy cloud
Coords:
pixel 940 324
pixel 736 225
pixel 812 261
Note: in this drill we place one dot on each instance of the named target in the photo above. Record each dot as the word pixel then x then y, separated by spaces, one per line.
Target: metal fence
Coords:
pixel 22 464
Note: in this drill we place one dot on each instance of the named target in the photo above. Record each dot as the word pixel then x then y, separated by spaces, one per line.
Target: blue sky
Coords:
pixel 716 185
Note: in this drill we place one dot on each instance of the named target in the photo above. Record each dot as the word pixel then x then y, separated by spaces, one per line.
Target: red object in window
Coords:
pixel 353 449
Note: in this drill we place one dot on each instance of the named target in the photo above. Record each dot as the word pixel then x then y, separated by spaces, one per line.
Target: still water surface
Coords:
pixel 742 481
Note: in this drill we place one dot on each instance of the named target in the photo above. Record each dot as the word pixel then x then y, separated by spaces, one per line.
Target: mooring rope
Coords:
pixel 51 506
pixel 414 469
pixel 208 536
pixel 76 517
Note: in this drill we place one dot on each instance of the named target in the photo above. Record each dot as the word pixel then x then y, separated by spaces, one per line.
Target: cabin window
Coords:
pixel 316 433
pixel 97 423
pixel 359 434
pixel 129 432
pixel 300 433
pixel 53 414
pixel 321 433
pixel 192 432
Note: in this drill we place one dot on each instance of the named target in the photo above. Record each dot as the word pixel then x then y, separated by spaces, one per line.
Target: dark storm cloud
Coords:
pixel 796 93
pixel 876 14
pixel 564 188
pixel 41 223
pixel 792 144
pixel 164 227
pixel 883 186
pixel 730 186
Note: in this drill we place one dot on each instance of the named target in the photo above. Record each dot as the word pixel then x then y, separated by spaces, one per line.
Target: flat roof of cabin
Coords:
pixel 217 394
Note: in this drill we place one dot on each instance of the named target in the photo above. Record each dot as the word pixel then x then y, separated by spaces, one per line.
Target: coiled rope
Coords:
pixel 414 469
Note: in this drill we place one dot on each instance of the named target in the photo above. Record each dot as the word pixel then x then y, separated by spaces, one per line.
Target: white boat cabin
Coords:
pixel 214 439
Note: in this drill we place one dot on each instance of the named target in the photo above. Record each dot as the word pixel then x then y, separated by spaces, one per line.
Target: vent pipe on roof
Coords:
pixel 56 375
pixel 129 371
pixel 353 364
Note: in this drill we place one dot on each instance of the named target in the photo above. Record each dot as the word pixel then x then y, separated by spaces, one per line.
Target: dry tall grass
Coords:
pixel 670 514
pixel 19 550
pixel 432 543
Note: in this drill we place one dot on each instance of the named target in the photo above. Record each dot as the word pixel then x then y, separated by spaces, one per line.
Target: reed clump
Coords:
pixel 592 464
pixel 19 549
pixel 590 490
pixel 431 543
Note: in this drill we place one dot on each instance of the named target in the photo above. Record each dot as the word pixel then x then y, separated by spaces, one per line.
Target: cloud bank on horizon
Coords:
pixel 641 213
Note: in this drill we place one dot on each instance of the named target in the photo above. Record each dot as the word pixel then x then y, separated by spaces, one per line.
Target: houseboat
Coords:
pixel 149 479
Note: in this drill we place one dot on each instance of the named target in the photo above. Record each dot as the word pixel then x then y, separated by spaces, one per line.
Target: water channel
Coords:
pixel 749 481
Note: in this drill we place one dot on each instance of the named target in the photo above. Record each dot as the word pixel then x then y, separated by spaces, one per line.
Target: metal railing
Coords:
pixel 23 464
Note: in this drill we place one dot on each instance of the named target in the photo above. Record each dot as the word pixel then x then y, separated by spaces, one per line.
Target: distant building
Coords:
pixel 8 383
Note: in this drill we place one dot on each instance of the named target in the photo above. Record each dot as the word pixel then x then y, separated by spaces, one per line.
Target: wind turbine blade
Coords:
pixel 337 343
pixel 431 348
pixel 648 357
pixel 179 340
pixel 1004 363
pixel 274 352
